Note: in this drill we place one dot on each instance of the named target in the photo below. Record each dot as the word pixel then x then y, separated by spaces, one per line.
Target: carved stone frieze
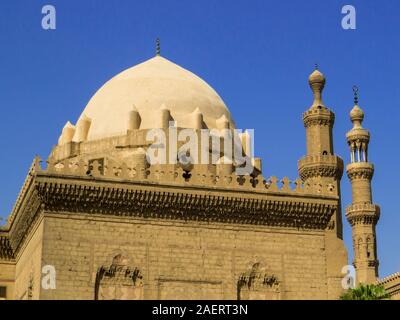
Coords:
pixel 75 191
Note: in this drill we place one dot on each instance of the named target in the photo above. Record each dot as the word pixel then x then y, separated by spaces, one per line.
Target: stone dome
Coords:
pixel 148 88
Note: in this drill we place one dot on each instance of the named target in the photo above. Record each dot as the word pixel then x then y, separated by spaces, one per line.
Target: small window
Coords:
pixel 325 153
pixel 3 293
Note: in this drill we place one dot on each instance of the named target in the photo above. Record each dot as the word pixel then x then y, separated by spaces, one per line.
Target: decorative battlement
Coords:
pixel 320 166
pixel 175 175
pixel 363 213
pixel 395 277
pixel 360 170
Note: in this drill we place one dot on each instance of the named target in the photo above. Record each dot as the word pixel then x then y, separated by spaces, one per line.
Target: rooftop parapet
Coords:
pixel 173 174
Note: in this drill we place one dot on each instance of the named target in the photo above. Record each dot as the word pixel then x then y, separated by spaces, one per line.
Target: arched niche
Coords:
pixel 119 281
pixel 258 284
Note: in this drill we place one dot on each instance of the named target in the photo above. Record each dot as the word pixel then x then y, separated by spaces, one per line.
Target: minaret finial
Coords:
pixel 355 91
pixel 317 83
pixel 316 66
pixel 158 47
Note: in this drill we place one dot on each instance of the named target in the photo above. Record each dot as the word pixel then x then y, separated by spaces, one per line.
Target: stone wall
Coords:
pixel 7 277
pixel 29 265
pixel 177 259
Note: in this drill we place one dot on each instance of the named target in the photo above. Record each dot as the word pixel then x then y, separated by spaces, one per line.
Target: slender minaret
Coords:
pixel 321 170
pixel 362 214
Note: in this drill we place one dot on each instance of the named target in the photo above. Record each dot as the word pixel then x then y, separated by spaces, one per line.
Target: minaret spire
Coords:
pixel 158 47
pixel 355 91
pixel 362 214
pixel 320 166
pixel 321 171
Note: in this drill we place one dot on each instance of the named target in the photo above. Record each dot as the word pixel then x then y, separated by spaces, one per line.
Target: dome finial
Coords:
pixel 316 66
pixel 158 47
pixel 355 91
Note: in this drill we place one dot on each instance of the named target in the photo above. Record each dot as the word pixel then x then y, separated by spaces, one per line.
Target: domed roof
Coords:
pixel 149 87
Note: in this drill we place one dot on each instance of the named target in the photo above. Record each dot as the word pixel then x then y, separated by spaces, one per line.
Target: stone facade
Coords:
pixel 181 259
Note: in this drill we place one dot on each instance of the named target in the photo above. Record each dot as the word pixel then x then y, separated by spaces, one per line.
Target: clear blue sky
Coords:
pixel 257 54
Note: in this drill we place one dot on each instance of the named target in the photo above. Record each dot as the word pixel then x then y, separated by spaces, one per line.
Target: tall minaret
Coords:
pixel 362 214
pixel 321 169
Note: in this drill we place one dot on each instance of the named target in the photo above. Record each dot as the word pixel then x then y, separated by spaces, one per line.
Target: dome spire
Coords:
pixel 158 47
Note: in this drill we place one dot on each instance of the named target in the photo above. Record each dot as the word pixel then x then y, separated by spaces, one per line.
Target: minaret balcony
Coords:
pixel 363 213
pixel 320 166
pixel 318 116
pixel 360 170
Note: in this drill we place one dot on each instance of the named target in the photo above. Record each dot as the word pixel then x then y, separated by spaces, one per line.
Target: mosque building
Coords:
pixel 108 223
